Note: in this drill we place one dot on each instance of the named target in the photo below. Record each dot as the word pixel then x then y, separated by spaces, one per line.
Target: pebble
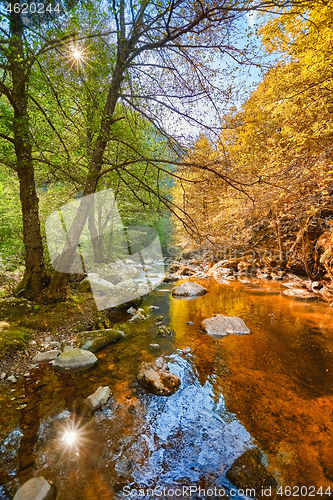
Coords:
pixel 187 350
pixel 56 344
pixel 154 346
pixel 12 379
pixel 3 375
pixel 153 307
pixel 27 374
pixel 190 323
pixel 48 339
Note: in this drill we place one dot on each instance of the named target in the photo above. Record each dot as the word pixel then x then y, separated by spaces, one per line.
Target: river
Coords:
pixel 272 389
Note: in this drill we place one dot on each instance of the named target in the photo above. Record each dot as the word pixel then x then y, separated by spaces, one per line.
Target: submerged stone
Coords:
pixel 188 290
pixel 164 331
pixel 37 488
pixel 154 346
pixel 97 339
pixel 157 378
pixel 74 360
pixel 220 326
pixel 248 471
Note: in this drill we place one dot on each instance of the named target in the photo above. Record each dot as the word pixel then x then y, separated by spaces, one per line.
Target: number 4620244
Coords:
pixel 303 491
pixel 33 8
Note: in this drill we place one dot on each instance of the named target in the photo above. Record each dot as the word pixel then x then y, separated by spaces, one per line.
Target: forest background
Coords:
pixel 95 96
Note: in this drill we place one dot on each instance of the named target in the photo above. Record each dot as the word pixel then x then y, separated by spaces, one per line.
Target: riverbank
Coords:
pixel 29 328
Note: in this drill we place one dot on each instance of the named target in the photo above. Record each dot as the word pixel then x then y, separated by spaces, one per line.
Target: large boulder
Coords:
pixel 188 290
pixel 157 378
pixel 37 488
pixel 74 360
pixel 248 472
pixel 300 293
pixel 118 272
pixel 220 326
pixel 97 339
pixel 96 283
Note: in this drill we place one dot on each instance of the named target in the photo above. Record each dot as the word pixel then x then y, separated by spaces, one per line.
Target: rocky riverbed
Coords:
pixel 267 389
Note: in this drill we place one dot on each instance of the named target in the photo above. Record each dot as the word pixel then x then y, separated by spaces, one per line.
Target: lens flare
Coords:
pixel 73 436
pixel 69 437
pixel 77 56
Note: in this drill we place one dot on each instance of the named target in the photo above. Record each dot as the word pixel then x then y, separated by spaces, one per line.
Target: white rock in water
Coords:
pixel 74 360
pixel 188 290
pixel 220 326
pixel 154 346
pixel 186 351
pixel 36 488
pixel 138 317
pixel 12 379
pixel 98 398
pixel 45 357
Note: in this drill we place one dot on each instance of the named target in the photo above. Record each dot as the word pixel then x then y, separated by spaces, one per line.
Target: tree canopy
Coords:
pixel 278 145
pixel 88 91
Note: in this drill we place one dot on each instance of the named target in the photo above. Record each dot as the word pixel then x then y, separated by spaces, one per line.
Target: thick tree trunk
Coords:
pixel 31 285
pixel 58 285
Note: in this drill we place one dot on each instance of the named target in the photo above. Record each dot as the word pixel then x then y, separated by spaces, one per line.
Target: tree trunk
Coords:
pixel 58 285
pixel 96 240
pixel 31 284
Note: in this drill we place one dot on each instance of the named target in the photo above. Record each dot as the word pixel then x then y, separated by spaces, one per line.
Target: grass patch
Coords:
pixel 13 339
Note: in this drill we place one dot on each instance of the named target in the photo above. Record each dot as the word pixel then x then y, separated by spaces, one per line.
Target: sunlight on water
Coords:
pixel 272 388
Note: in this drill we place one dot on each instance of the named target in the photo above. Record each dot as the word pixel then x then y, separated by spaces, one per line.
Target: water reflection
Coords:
pixel 275 385
pixel 190 436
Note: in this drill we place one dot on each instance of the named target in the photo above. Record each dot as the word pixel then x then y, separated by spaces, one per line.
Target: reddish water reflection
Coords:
pixel 277 381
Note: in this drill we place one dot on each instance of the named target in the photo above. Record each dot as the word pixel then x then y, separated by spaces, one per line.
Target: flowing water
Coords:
pixel 272 388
